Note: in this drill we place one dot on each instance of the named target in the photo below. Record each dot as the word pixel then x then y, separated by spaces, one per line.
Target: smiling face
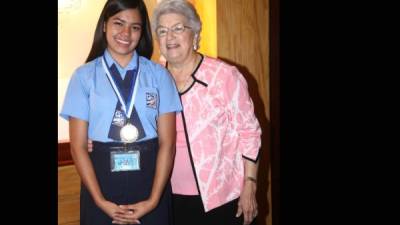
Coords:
pixel 123 31
pixel 175 47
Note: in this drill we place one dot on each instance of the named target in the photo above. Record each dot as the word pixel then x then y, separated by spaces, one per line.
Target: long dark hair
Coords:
pixel 112 7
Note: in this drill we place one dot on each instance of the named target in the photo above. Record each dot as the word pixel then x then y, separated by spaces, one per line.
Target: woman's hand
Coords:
pixel 135 212
pixel 247 202
pixel 115 212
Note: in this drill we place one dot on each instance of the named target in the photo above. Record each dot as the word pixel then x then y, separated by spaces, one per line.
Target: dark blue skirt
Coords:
pixel 125 187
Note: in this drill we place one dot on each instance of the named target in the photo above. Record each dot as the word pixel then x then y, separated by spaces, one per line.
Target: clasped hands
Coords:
pixel 127 214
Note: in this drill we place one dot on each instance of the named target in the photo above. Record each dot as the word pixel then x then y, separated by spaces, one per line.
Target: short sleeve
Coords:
pixel 76 101
pixel 169 97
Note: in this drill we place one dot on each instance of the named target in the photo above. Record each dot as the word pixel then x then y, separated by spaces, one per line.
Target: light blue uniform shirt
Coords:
pixel 90 96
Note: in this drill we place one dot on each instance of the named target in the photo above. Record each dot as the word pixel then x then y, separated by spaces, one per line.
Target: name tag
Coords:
pixel 125 160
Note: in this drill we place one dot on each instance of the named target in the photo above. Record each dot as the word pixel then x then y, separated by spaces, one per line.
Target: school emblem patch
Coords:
pixel 151 100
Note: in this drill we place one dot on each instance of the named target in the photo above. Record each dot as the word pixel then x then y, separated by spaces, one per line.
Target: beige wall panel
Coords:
pixel 150 5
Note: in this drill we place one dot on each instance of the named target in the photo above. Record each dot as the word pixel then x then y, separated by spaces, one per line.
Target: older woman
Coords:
pixel 218 135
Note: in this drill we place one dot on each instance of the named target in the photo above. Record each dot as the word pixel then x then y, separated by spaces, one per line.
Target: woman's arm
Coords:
pixel 78 130
pixel 166 153
pixel 247 201
pixel 242 109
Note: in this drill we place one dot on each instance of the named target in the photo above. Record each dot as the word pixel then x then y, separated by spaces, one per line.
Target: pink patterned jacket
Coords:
pixel 222 129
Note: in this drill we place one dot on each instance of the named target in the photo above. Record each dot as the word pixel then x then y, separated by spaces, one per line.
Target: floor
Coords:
pixel 68 195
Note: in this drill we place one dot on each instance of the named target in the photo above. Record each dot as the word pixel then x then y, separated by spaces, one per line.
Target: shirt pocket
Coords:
pixel 102 106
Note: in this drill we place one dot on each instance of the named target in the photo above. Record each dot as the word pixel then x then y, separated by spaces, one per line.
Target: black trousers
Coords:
pixel 189 210
pixel 125 187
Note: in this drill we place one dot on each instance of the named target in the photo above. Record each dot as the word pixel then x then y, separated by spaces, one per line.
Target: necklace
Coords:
pixel 185 84
pixel 189 78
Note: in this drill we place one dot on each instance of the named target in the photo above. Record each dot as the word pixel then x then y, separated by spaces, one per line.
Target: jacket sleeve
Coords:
pixel 241 110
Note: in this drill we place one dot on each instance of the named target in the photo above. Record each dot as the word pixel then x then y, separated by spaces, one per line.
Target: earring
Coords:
pixel 195 47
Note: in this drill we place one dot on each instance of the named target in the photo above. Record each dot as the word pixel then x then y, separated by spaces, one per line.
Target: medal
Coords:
pixel 129 133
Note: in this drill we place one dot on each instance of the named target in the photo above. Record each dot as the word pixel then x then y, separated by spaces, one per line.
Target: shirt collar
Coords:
pixel 131 65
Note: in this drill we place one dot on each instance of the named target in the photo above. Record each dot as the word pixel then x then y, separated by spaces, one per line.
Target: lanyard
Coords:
pixel 132 94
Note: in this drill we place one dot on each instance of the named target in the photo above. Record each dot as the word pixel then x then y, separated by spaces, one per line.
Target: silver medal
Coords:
pixel 129 133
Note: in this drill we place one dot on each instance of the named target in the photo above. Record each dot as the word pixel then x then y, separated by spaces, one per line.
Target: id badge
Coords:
pixel 125 160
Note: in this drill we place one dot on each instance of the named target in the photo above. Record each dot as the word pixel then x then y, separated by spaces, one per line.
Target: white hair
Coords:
pixel 181 7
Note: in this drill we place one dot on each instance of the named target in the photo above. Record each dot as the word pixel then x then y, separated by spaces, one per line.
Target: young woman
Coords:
pixel 127 105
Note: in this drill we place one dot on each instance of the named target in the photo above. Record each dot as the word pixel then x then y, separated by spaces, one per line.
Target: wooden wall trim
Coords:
pixel 64 154
pixel 243 41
